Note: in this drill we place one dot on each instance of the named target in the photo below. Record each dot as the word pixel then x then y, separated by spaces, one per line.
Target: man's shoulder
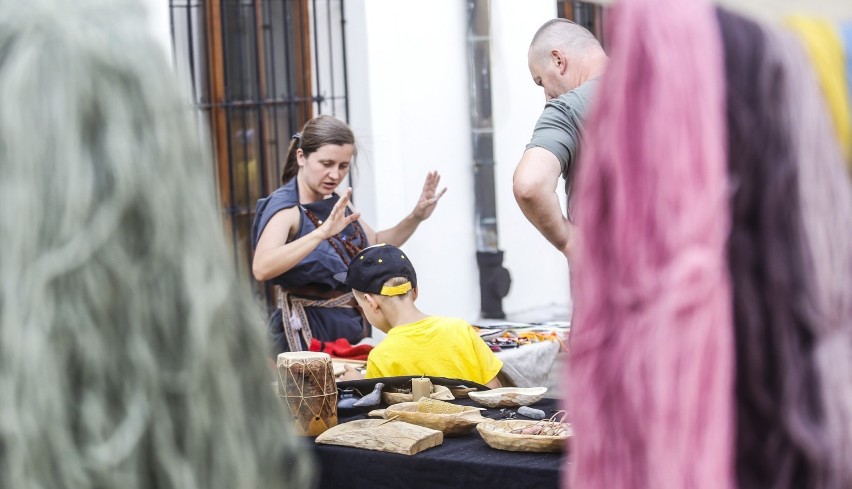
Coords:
pixel 577 99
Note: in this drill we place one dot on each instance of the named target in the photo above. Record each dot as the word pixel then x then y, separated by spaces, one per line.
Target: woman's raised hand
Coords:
pixel 429 198
pixel 337 219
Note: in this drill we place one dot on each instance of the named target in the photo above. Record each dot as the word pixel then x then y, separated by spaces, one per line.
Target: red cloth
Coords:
pixel 341 348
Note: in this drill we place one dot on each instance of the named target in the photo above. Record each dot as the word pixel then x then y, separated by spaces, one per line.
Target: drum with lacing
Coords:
pixel 308 390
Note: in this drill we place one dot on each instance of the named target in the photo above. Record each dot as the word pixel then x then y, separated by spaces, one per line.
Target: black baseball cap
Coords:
pixel 375 265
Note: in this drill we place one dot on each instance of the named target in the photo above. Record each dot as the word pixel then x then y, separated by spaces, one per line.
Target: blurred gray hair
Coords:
pixel 131 353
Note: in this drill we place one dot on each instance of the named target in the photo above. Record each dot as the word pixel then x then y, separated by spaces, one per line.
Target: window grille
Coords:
pixel 257 70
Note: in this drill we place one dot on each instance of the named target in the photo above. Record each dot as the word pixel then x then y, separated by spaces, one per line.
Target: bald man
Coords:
pixel 566 60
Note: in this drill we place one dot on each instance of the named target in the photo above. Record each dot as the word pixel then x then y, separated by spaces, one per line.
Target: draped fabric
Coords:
pixel 825 209
pixel 651 366
pixel 825 53
pixel 778 443
pixel 712 339
pixel 846 34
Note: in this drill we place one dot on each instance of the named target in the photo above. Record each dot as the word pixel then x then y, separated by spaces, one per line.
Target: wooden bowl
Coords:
pixel 461 391
pixel 508 396
pixel 495 434
pixel 439 392
pixel 454 424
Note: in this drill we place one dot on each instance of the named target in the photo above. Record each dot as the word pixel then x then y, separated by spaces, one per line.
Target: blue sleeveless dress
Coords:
pixel 316 270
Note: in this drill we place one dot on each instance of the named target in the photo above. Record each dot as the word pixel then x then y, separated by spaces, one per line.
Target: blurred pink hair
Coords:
pixel 651 366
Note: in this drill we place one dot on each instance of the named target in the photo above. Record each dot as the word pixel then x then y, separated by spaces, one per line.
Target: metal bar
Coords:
pixel 246 87
pixel 316 53
pixel 307 64
pixel 260 159
pixel 259 33
pixel 288 65
pixel 250 87
pixel 330 53
pixel 352 174
pixel 228 115
pixel 248 91
pixel 299 64
pixel 240 211
pixel 494 279
pixel 345 65
pixel 482 131
pixel 172 29
pixel 267 181
pixel 304 87
pixel 249 104
pixel 191 50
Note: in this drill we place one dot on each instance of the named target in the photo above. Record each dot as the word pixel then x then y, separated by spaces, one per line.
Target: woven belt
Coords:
pixel 294 319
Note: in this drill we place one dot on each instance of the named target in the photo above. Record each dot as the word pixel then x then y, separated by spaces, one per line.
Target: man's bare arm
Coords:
pixel 534 186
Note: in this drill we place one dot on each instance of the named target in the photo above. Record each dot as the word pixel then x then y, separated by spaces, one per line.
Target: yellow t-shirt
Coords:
pixel 435 346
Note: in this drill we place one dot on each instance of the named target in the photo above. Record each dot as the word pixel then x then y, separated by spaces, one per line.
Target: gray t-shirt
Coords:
pixel 559 127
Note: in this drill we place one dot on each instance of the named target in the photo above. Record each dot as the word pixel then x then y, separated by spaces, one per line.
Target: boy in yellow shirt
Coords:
pixel 384 283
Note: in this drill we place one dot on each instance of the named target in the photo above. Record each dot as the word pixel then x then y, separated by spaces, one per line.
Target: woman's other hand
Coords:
pixel 337 219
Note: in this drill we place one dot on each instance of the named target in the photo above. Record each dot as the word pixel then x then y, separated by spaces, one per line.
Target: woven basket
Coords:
pixel 451 424
pixel 491 432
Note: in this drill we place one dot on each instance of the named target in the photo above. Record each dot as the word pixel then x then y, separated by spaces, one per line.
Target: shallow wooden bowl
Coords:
pixel 439 392
pixel 461 391
pixel 493 434
pixel 508 396
pixel 454 424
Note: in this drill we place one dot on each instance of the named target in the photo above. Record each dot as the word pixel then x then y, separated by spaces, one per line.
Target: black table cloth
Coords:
pixel 460 462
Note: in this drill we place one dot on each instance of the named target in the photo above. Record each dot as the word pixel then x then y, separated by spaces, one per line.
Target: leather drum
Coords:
pixel 307 388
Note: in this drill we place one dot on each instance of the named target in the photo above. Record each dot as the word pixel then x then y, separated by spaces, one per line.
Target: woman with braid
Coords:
pixel 304 233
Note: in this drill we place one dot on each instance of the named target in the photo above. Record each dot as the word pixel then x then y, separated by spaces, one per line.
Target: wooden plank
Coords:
pixel 216 74
pixel 568 9
pixel 267 137
pixel 303 61
pixel 382 435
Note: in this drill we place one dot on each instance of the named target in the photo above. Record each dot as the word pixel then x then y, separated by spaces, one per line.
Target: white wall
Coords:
pixel 539 271
pixel 409 107
pixel 158 20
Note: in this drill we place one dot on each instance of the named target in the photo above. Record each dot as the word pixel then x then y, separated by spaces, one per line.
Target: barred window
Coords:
pixel 257 70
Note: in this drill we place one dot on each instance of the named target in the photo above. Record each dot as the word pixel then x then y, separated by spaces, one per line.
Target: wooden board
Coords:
pixel 382 435
pixel 338 364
